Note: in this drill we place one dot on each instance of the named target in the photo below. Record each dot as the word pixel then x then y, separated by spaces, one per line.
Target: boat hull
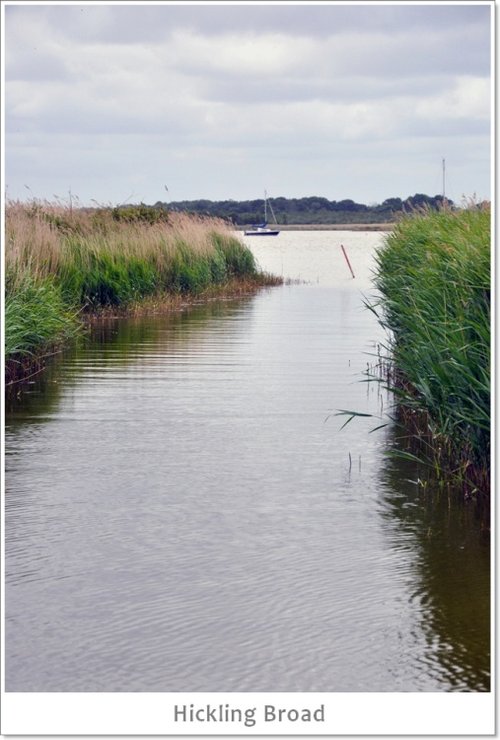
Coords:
pixel 262 232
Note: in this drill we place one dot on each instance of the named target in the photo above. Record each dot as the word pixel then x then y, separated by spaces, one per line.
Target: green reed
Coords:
pixel 35 314
pixel 433 275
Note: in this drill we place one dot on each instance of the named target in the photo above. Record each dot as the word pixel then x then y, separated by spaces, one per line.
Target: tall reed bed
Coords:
pixel 61 261
pixel 433 275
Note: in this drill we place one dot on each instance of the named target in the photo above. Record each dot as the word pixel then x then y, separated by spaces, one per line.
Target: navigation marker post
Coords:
pixel 347 259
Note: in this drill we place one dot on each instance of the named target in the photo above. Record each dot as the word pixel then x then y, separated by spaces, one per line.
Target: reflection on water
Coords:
pixel 183 513
pixel 451 585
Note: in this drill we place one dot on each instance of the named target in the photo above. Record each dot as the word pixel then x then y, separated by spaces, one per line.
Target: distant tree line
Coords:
pixel 310 210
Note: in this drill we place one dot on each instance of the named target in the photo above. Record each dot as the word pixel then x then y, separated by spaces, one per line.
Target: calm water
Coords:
pixel 184 513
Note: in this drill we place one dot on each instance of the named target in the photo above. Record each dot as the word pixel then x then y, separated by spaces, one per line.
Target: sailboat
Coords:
pixel 262 229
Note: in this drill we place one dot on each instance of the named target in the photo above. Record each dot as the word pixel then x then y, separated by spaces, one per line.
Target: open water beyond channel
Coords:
pixel 185 513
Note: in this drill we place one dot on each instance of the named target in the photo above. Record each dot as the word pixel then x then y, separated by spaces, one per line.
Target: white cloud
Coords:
pixel 242 55
pixel 468 98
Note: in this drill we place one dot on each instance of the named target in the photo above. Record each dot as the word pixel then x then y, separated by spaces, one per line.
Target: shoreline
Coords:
pixel 330 227
pixel 65 265
pixel 19 369
pixel 166 302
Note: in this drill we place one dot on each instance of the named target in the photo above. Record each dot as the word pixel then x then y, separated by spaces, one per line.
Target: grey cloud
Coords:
pixel 403 55
pixel 108 92
pixel 445 128
pixel 81 119
pixel 341 89
pixel 389 50
pixel 140 23
pixel 37 65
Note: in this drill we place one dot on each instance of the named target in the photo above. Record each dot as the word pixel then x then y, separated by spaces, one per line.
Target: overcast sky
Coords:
pixel 117 102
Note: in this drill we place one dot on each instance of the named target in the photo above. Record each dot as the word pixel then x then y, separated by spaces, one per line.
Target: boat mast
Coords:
pixel 444 178
pixel 265 206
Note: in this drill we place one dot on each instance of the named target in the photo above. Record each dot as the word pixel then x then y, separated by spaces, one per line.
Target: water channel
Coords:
pixel 183 511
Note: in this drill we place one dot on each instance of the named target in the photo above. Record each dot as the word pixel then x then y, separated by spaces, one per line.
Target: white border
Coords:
pixel 346 714
pixel 2 356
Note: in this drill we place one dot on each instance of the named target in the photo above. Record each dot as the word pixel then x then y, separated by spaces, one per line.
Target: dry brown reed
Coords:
pixel 41 235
